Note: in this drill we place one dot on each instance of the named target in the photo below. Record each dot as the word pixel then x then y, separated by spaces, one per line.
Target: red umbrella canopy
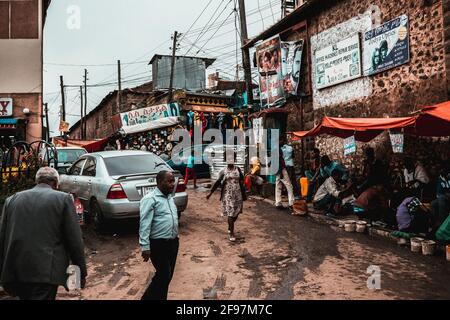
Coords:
pixel 433 121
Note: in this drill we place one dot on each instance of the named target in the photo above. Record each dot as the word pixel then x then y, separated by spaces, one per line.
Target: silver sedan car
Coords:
pixel 110 184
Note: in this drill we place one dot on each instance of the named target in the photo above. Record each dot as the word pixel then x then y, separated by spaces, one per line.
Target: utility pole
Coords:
pixel 172 67
pixel 85 104
pixel 47 131
pixel 82 116
pixel 63 100
pixel 119 93
pixel 245 52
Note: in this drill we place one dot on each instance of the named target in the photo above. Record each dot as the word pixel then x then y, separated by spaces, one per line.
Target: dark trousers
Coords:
pixel 163 254
pixel 327 203
pixel 294 182
pixel 32 291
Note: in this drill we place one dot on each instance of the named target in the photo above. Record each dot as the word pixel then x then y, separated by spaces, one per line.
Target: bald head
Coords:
pixel 165 181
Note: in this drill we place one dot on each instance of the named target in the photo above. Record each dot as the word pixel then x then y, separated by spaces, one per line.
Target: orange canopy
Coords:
pixel 431 121
pixel 364 129
pixel 89 145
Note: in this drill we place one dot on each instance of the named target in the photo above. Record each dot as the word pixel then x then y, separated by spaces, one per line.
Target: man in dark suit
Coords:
pixel 39 234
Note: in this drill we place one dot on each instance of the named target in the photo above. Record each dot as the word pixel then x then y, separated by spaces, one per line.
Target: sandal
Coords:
pixel 232 239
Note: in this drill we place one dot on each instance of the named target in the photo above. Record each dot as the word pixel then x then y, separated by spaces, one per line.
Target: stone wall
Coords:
pixel 425 80
pixel 446 21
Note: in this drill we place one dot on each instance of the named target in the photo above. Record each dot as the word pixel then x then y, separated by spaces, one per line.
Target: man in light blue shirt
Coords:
pixel 288 156
pixel 158 234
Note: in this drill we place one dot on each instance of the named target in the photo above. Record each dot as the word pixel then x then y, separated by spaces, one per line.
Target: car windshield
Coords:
pixel 128 165
pixel 69 155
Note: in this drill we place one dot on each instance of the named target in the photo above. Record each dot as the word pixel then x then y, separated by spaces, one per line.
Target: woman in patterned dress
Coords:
pixel 232 194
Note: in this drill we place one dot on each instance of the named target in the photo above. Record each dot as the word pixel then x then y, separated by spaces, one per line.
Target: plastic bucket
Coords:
pixel 428 247
pixel 448 252
pixel 350 226
pixel 304 186
pixel 416 244
pixel 361 226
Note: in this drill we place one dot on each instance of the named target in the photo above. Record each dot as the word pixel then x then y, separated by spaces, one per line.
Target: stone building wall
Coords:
pixel 99 122
pixel 424 80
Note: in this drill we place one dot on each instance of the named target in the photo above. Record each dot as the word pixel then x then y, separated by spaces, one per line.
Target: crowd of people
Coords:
pixel 413 202
pixel 410 200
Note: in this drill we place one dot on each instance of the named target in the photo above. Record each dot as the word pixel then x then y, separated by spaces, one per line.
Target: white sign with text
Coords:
pixel 6 107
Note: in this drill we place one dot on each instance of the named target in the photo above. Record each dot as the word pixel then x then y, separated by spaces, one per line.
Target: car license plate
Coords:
pixel 146 190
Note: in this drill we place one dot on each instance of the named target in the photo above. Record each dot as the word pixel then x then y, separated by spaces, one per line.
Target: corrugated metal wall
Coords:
pixel 190 74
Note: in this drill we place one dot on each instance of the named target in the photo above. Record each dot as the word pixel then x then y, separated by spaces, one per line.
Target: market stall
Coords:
pixel 433 121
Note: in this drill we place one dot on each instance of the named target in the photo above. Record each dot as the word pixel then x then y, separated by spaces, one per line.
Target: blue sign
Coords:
pixel 8 121
pixel 386 46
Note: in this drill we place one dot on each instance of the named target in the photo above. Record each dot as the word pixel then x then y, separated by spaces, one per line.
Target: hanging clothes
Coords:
pixel 190 119
pixel 235 123
pixel 221 121
pixel 241 120
pixel 197 120
pixel 203 121
pixel 210 121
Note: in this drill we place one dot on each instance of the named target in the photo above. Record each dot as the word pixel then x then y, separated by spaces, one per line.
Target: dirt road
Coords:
pixel 277 256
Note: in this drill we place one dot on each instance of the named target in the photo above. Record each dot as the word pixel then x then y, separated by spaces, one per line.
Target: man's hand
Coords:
pixel 146 255
pixel 83 283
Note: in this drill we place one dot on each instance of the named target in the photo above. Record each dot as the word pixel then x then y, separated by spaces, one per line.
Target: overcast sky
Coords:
pixel 133 31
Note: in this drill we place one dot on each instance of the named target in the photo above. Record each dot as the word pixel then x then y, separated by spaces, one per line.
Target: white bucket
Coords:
pixel 416 244
pixel 428 247
pixel 350 226
pixel 447 249
pixel 361 226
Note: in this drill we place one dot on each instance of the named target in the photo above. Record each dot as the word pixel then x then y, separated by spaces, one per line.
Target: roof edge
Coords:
pixel 291 19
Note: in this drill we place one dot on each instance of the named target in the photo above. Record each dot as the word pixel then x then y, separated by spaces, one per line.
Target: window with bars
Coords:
pixel 97 122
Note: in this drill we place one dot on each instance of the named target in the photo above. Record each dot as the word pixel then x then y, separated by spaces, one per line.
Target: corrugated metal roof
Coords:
pixel 208 61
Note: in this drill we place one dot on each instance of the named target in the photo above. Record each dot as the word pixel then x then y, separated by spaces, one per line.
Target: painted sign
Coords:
pixel 291 62
pixel 63 126
pixel 150 118
pixel 349 145
pixel 144 115
pixel 268 56
pixel 6 107
pixel 338 63
pixel 386 46
pixel 397 142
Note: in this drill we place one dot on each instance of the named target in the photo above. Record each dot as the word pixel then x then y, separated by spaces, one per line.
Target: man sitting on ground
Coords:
pixel 327 167
pixel 375 172
pixel 329 194
pixel 416 178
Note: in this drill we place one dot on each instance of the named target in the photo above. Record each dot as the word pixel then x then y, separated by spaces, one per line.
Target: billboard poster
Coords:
pixel 337 63
pixel 145 115
pixel 291 62
pixel 386 46
pixel 268 56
